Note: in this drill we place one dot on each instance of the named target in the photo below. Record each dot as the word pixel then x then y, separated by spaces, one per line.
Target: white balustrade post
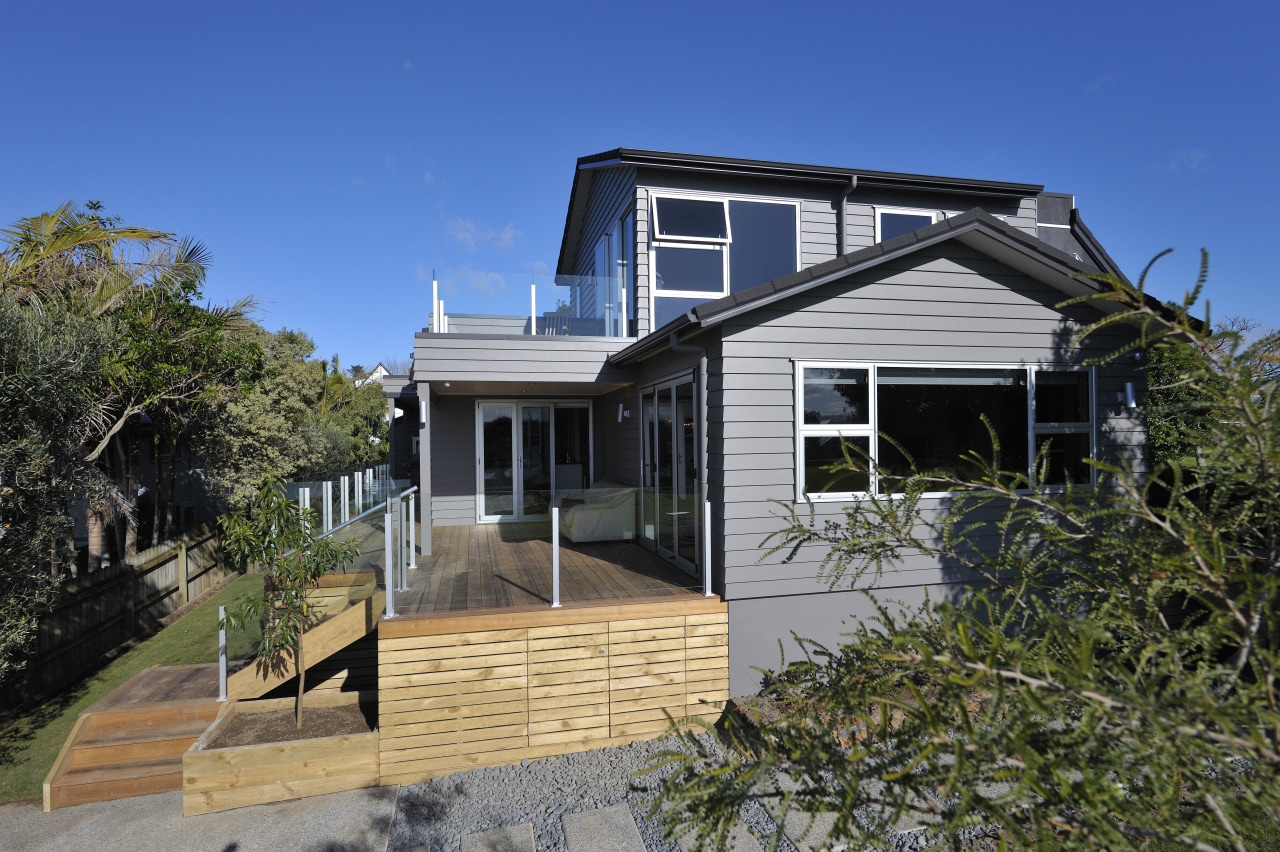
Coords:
pixel 706 549
pixel 388 572
pixel 555 557
pixel 413 529
pixel 327 496
pixel 222 653
pixel 359 492
pixel 344 485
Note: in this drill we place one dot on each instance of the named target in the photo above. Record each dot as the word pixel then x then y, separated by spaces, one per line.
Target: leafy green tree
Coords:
pixel 100 326
pixel 260 427
pixel 300 416
pixel 1110 680
pixel 280 538
pixel 166 356
pixel 50 364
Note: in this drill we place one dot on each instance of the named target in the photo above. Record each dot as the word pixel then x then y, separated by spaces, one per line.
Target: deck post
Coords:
pixel 222 653
pixel 706 548
pixel 555 557
pixel 327 498
pixel 402 539
pixel 413 523
pixel 344 483
pixel 389 570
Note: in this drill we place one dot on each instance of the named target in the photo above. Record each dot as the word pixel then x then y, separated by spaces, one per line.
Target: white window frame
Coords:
pixel 657 241
pixel 841 430
pixel 906 211
pixel 1035 429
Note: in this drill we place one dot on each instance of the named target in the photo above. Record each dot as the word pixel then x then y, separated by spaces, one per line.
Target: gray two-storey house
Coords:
pixel 728 324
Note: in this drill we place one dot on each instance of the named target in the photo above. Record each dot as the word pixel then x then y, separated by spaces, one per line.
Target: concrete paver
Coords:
pixel 610 829
pixel 513 838
pixel 354 821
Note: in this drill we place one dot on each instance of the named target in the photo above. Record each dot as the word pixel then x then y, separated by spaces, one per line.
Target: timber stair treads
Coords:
pixel 127 750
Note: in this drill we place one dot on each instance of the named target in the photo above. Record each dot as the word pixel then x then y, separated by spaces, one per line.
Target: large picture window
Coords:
pixel 933 415
pixel 706 248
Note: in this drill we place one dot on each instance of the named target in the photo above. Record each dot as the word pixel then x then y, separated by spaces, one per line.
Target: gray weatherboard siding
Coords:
pixel 919 308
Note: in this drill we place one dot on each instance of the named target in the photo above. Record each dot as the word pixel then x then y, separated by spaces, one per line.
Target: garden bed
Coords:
pixel 235 776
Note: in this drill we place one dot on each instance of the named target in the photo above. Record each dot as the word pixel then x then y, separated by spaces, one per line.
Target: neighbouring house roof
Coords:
pixel 833 176
pixel 976 228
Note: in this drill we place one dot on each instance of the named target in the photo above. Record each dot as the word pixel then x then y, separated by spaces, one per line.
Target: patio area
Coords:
pixel 508 567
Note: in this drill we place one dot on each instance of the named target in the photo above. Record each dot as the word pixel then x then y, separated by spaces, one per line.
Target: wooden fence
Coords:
pixel 101 610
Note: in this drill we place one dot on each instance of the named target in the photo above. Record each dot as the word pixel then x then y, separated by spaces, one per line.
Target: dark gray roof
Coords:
pixel 976 228
pixel 800 171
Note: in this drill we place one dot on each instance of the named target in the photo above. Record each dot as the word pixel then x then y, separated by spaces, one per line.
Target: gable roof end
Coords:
pixel 977 229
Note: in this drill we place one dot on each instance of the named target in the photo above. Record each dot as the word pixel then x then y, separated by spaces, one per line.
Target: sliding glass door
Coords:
pixel 670 502
pixel 521 456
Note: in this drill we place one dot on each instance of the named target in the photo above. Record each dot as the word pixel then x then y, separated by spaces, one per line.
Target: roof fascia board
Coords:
pixel 1091 245
pixel 825 174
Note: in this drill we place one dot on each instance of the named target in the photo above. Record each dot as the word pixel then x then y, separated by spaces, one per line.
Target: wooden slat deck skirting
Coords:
pixel 458 692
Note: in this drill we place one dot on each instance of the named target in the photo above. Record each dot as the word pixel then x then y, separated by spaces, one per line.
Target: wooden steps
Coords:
pixel 118 753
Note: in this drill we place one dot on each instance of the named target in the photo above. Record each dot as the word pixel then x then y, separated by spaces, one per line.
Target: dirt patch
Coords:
pixel 277 726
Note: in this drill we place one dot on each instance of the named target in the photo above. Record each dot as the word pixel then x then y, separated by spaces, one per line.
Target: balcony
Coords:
pixel 581 306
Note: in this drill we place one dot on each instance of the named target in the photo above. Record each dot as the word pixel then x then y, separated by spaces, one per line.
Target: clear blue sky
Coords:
pixel 331 155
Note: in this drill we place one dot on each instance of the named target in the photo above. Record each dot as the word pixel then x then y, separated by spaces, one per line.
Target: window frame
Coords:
pixel 905 211
pixel 725 246
pixel 1036 431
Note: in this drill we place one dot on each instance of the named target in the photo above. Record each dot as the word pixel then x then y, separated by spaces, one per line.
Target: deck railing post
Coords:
pixel 222 653
pixel 706 548
pixel 413 529
pixel 359 492
pixel 327 497
pixel 555 557
pixel 389 571
pixel 402 564
pixel 344 483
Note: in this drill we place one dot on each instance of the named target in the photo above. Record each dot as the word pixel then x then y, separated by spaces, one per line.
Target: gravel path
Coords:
pixel 436 815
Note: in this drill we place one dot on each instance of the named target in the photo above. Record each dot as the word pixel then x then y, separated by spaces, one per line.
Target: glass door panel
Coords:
pixel 665 480
pixel 572 449
pixel 535 460
pixel 497 461
pixel 648 490
pixel 686 503
pixel 669 498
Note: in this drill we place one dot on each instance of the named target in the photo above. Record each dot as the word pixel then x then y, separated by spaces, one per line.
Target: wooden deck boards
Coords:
pixel 163 685
pixel 506 566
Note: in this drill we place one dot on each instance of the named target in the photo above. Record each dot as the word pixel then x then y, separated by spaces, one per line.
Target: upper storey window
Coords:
pixel 707 248
pixel 894 223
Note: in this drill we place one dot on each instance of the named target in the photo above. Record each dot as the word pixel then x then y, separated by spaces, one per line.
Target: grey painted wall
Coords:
pixel 453 460
pixel 498 358
pixel 948 304
pixel 617 445
pixel 758 640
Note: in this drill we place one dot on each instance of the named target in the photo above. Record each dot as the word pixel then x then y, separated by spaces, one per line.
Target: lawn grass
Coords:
pixel 1257 831
pixel 30 744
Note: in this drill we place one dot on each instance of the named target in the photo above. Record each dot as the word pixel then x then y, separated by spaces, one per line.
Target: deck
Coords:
pixel 508 567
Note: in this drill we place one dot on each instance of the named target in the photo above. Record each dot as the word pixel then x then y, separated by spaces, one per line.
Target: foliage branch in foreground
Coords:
pixel 280 537
pixel 1109 682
